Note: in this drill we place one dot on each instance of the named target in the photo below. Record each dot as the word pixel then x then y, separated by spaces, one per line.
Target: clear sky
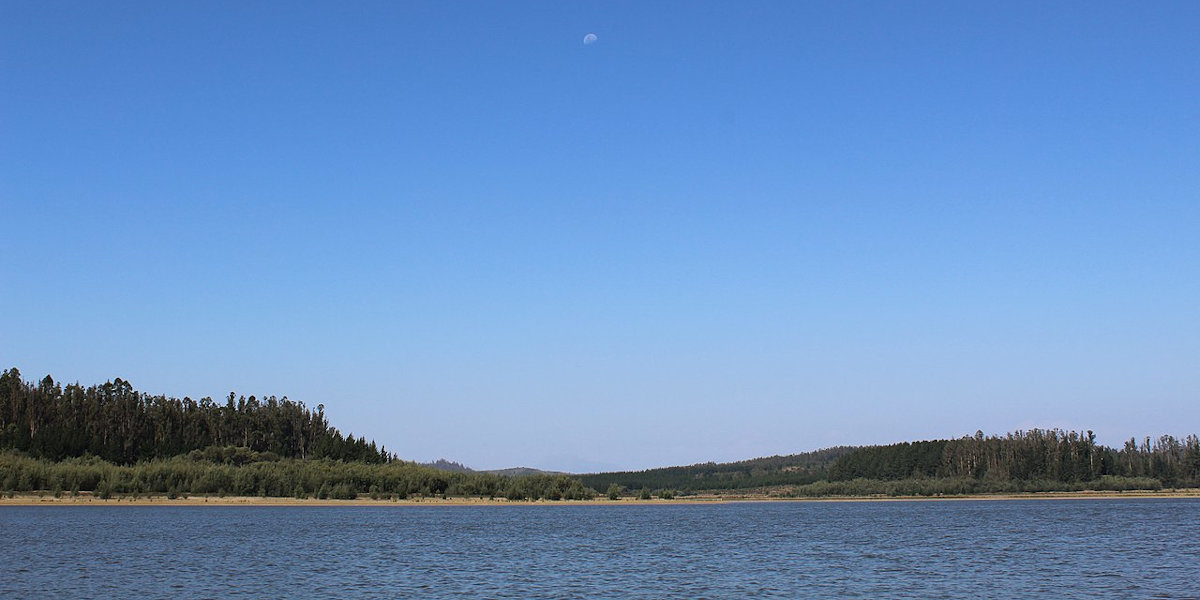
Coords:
pixel 720 231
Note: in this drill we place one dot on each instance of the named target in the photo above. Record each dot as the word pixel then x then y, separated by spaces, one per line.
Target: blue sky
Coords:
pixel 723 230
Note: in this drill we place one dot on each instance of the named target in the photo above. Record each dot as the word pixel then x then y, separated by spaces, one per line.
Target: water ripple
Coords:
pixel 1065 549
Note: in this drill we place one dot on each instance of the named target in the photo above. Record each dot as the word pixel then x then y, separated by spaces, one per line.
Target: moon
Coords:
pixel 589 39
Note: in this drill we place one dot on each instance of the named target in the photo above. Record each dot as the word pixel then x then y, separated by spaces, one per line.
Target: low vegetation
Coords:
pixel 242 472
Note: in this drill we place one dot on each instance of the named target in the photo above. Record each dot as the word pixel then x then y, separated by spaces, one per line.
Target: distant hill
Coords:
pixel 793 469
pixel 442 464
pixel 516 471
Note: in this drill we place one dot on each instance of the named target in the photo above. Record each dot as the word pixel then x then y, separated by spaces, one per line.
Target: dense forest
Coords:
pixel 119 424
pixel 1036 455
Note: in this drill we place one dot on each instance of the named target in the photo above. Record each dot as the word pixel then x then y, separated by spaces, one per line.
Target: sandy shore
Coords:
pixel 85 499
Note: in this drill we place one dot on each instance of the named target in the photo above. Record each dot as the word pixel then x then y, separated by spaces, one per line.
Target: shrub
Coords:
pixel 614 491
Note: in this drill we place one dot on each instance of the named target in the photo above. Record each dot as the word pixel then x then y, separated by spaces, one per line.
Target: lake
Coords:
pixel 1138 548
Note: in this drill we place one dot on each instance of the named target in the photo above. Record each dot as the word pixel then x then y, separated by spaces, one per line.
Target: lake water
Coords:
pixel 952 549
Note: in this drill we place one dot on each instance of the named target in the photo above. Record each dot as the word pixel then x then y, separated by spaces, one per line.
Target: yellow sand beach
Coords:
pixel 85 499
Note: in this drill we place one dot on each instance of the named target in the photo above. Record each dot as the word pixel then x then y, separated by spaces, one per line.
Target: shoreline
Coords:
pixel 86 499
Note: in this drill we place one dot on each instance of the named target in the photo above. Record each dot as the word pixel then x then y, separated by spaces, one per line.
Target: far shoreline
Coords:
pixel 86 499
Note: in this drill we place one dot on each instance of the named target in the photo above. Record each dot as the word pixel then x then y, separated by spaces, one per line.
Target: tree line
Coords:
pixel 1049 455
pixel 957 486
pixel 119 424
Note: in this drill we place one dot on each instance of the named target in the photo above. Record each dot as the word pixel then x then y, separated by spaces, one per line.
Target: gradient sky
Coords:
pixel 724 230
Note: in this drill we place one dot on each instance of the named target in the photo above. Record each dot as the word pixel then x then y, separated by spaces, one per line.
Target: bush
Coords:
pixel 343 491
pixel 273 478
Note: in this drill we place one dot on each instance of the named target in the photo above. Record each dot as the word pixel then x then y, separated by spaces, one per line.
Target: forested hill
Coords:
pixel 793 469
pixel 122 425
pixel 1034 460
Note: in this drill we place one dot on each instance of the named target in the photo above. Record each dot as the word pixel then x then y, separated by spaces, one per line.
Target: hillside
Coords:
pixel 792 469
pixel 520 471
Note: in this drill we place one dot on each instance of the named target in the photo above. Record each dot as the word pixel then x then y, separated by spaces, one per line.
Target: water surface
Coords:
pixel 1138 548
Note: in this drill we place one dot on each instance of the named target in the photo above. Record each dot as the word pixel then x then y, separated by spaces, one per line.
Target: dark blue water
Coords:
pixel 969 549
